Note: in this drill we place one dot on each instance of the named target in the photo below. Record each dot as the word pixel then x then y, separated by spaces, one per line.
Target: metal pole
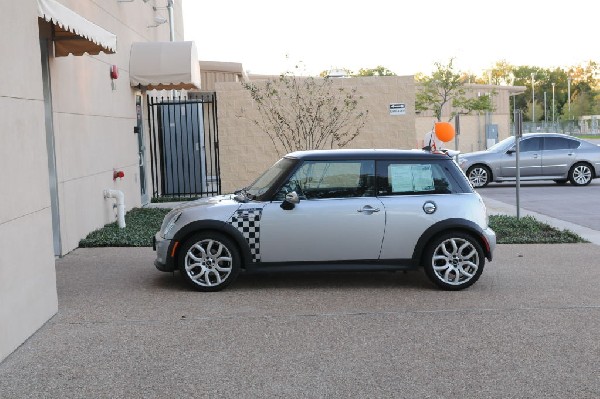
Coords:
pixel 545 110
pixel 553 102
pixel 171 21
pixel 532 99
pixel 569 94
pixel 518 133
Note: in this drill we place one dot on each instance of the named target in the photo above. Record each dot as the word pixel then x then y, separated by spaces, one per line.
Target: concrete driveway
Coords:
pixel 528 329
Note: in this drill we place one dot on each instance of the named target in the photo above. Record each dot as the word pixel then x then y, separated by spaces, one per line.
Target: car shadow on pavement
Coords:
pixel 307 280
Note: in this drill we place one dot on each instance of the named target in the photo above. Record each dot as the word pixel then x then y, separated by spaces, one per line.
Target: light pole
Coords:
pixel 532 99
pixel 569 94
pixel 553 102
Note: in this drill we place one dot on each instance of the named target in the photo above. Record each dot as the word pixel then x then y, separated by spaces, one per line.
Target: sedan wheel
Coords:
pixel 479 176
pixel 454 261
pixel 209 262
pixel 580 174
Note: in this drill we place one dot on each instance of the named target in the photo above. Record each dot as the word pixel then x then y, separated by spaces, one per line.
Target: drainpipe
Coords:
pixel 171 21
pixel 120 197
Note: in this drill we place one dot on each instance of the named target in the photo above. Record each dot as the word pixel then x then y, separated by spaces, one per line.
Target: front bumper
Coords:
pixel 162 262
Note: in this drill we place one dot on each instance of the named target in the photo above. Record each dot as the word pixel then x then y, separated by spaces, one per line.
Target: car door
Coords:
pixel 530 159
pixel 558 155
pixel 338 217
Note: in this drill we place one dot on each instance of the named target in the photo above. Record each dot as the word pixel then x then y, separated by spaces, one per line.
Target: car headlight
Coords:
pixel 170 224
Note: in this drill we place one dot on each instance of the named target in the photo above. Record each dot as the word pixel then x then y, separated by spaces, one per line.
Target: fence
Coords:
pixel 184 146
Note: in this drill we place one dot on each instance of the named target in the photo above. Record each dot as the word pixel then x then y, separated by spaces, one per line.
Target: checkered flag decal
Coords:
pixel 247 221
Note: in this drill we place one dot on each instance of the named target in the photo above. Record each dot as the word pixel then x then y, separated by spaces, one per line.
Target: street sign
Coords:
pixel 397 109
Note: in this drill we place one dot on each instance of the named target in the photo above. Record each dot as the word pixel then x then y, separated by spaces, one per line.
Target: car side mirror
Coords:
pixel 290 201
pixel 511 150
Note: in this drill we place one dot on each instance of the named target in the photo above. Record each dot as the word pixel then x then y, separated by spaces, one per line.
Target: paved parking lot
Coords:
pixel 527 329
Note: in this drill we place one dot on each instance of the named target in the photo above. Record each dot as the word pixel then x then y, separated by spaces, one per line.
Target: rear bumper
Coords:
pixel 490 237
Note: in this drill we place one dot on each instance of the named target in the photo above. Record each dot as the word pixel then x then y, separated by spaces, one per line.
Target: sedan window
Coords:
pixel 531 144
pixel 559 143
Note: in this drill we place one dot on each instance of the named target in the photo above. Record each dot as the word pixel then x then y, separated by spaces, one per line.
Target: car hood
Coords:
pixel 474 154
pixel 226 199
pixel 211 208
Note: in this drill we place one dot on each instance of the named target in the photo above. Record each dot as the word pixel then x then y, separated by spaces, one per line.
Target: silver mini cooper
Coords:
pixel 367 210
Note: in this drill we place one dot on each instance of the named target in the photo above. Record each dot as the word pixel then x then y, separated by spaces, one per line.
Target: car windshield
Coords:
pixel 268 178
pixel 502 145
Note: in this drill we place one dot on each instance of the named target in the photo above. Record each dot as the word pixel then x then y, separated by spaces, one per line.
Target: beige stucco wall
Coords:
pixel 27 276
pixel 93 133
pixel 246 151
pixel 472 127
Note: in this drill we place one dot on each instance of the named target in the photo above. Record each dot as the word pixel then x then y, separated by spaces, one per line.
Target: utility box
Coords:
pixel 491 134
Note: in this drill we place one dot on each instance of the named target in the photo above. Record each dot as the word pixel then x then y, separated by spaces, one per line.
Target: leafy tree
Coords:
pixel 447 87
pixel 501 74
pixel 302 113
pixel 377 71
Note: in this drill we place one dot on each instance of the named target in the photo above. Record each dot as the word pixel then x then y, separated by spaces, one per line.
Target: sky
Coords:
pixel 407 37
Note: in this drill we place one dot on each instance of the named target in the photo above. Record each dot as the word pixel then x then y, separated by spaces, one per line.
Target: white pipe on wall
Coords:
pixel 120 197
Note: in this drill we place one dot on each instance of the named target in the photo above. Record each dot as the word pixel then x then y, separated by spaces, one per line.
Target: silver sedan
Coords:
pixel 542 156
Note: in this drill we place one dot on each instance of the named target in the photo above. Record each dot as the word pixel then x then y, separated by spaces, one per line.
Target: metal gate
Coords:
pixel 184 147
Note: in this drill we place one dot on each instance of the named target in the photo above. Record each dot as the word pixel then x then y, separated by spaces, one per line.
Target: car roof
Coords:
pixel 356 154
pixel 543 134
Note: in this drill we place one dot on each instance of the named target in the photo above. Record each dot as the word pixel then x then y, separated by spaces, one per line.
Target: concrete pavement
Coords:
pixel 527 329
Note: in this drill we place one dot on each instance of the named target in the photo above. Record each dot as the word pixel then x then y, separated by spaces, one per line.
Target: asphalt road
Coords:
pixel 579 205
pixel 527 329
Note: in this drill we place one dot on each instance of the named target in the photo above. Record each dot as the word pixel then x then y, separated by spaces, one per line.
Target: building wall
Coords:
pixel 93 133
pixel 27 276
pixel 472 127
pixel 246 151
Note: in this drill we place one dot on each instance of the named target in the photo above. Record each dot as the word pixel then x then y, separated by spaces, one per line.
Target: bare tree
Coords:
pixel 302 113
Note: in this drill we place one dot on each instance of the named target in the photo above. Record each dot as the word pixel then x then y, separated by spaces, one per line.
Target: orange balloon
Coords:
pixel 444 131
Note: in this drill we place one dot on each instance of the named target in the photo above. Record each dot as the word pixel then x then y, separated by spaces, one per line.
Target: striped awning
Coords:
pixel 72 33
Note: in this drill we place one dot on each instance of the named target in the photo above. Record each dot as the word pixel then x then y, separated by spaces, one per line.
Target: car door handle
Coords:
pixel 368 209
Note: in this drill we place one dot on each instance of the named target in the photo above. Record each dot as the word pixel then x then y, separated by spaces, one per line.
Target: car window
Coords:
pixel 332 179
pixel 267 180
pixel 559 143
pixel 530 144
pixel 419 177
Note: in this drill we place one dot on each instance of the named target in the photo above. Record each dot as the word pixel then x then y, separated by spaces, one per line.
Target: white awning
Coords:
pixel 164 65
pixel 73 34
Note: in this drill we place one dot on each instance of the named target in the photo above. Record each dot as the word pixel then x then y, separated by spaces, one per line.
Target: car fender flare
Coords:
pixel 450 225
pixel 211 225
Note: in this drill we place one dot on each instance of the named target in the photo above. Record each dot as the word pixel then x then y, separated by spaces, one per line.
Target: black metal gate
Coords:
pixel 184 147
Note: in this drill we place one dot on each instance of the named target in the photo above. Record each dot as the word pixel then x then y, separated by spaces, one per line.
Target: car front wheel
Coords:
pixel 479 176
pixel 580 174
pixel 454 261
pixel 209 261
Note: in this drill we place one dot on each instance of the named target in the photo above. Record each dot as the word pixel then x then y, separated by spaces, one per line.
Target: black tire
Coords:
pixel 479 176
pixel 581 174
pixel 209 261
pixel 561 181
pixel 454 261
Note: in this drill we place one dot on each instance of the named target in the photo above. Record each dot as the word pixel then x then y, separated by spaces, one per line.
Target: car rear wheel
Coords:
pixel 209 261
pixel 454 261
pixel 580 174
pixel 479 175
